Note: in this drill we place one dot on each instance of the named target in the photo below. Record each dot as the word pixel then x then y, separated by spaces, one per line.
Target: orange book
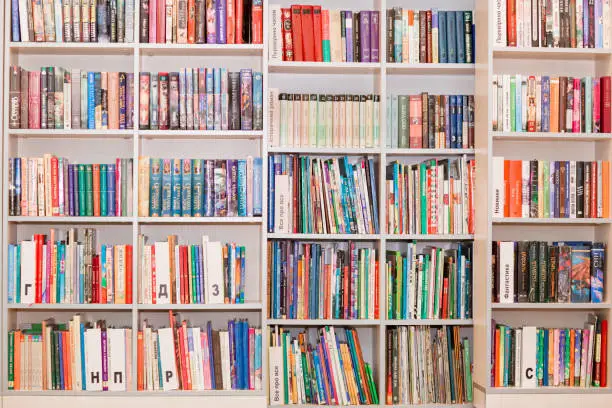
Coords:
pixel 128 274
pixel 237 279
pixel 17 355
pixel 257 24
pixel 67 364
pixel 496 376
pixel 515 186
pixel 139 362
pixel 113 100
pixel 348 374
pixel 554 104
pixel 191 21
pixel 507 188
pixel 230 26
pixel 296 28
pixel 96 190
pixel 239 12
pixel 605 175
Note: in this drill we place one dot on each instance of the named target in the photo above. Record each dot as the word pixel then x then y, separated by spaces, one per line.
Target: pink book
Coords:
pixel 205 359
pixel 161 21
pixel 153 21
pixel 416 122
pixel 34 100
pixel 118 188
pixel 48 269
pixel 596 106
pixel 231 22
pixel 584 358
pixel 196 98
pixel 576 108
pixel 556 357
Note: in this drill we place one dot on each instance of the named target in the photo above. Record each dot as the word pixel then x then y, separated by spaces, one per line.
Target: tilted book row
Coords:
pixel 174 273
pixel 311 33
pixel 428 365
pixel 431 197
pixel 201 21
pixel 201 99
pixel 51 186
pixel 187 358
pixel 434 284
pixel 59 21
pixel 323 196
pixel 70 356
pixel 551 189
pixel 57 268
pixel 430 36
pixel 533 103
pixel 58 98
pixel 553 23
pixel 322 281
pixel 324 120
pixel 532 357
pixel 430 121
pixel 538 272
pixel 199 187
pixel 328 372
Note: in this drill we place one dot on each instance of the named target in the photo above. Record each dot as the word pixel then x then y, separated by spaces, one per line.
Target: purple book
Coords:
pixel 129 101
pixel 70 190
pixel 374 35
pixel 349 35
pixel 364 30
pixel 221 23
pixel 104 360
pixel 110 185
pixel 232 188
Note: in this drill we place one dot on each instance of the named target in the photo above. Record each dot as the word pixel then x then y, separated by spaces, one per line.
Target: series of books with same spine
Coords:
pixel 532 357
pixel 428 365
pixel 58 268
pixel 201 99
pixel 201 21
pixel 51 186
pixel 534 103
pixel 551 189
pixel 539 272
pixel 60 21
pixel 322 281
pixel 73 356
pixel 58 98
pixel 430 36
pixel 199 187
pixel 208 273
pixel 319 120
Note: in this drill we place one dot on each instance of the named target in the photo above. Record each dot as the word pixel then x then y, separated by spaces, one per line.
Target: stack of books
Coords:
pixel 173 273
pixel 59 269
pixel 322 281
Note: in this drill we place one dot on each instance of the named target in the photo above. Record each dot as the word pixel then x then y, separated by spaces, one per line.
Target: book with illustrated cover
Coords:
pixel 580 275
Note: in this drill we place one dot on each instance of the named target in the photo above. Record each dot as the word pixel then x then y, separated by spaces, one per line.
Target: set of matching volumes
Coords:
pixel 187 358
pixel 58 268
pixel 73 356
pixel 553 23
pixel 313 34
pixel 319 120
pixel 531 357
pixel 551 189
pixel 59 21
pixel 199 187
pixel 428 367
pixel 433 284
pixel 57 98
pixel 432 197
pixel 330 372
pixel 430 36
pixel 201 99
pixel 322 281
pixel 322 196
pixel 427 121
pixel 534 103
pixel 174 273
pixel 201 21
pixel 51 186
pixel 538 272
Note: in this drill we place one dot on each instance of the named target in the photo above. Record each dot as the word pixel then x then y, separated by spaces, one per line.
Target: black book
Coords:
pixel 542 271
pixel 580 189
pixel 522 265
pixel 356 38
pixel 144 21
pixel 553 261
pixel 234 100
pixel 390 28
pixel 246 21
pixel 533 272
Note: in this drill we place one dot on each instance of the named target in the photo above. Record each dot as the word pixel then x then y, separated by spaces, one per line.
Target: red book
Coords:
pixel 287 34
pixel 161 21
pixel 257 24
pixel 231 22
pixel 181 360
pixel 296 28
pixel 95 281
pixel 515 187
pixel 54 187
pixel 593 202
pixel 191 21
pixel 39 241
pixel 445 299
pixel 376 295
pixel 186 365
pixel 603 382
pixel 316 19
pixel 128 274
pixel 507 188
pixel 511 19
pixel 308 33
pixel 239 12
pixel 96 190
pixel 606 110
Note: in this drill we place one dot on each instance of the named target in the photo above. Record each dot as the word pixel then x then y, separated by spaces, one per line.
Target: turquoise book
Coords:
pixel 155 181
pixel 103 190
pixel 186 188
pixel 197 187
pixel 176 188
pixel 166 203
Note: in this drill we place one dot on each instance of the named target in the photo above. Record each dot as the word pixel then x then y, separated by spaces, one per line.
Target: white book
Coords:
pixel 282 203
pixel 77 351
pixel 518 334
pixel 225 359
pixel 506 272
pixel 506 103
pixel 129 21
pixel 520 23
pixel 116 366
pixel 606 16
pixel 169 17
pixel 59 22
pixel 198 383
pixel 500 23
pixel 28 272
pixel 525 188
pixel 215 288
pixel 274 104
pixel 572 182
pixel 499 189
pixel 277 377
pixel 93 360
pixel 599 188
pixel 276 36
pixel 167 359
pixel 24 32
pixel 335 36
pixel 528 357
pixel 162 273
pixel 304 135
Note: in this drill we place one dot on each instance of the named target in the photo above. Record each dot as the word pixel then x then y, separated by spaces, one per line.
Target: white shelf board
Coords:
pixel 428 322
pixel 325 237
pixel 550 136
pixel 548 390
pixel 338 151
pixel 70 220
pixel 200 134
pixel 200 49
pixel 219 307
pixel 72 133
pixel 176 393
pixel 67 306
pixel 428 237
pixel 339 68
pixel 549 306
pixel 529 53
pixel 71 48
pixel 429 69
pixel 323 322
pixel 427 152
pixel 199 220
pixel 559 221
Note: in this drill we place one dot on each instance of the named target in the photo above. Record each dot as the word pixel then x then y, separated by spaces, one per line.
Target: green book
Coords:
pixel 124 187
pixel 89 190
pixel 467 369
pixel 512 104
pixel 403 121
pixel 568 351
pixel 540 355
pixel 103 190
pixel 11 360
pixel 285 367
pixel 81 190
pixel 371 384
pixel 452 287
pixel 399 290
pixel 326 50
pixel 306 378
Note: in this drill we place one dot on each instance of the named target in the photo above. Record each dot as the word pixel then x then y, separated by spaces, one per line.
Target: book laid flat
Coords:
pixel 323 281
pixel 433 283
pixel 170 272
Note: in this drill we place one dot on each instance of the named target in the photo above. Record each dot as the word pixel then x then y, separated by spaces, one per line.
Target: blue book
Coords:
pixel 442 37
pixel 451 41
pixel 237 373
pixel 542 341
pixel 220 21
pixel 257 101
pixel 17 181
pixel 217 98
pixel 155 186
pixel 459 26
pixel 374 198
pixel 197 190
pixel 258 187
pixel 176 188
pixel 597 272
pixel 271 192
pixel 210 99
pixel 242 273
pixel 242 189
pixel 15 28
pixel 245 355
pixel 12 250
pixel 17 263
pixel 397 38
pixel 275 280
pixel 258 366
pixel 319 375
pixel 110 178
pixel 91 100
pixel 210 353
pixel 545 103
pixel 598 24
pixel 166 187
pixel 83 371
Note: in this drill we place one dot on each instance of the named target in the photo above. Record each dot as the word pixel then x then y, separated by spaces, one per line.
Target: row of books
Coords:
pixel 60 268
pixel 51 186
pixel 531 357
pixel 173 273
pixel 323 196
pixel 69 356
pixel 59 98
pixel 328 372
pixel 428 366
pixel 431 197
pixel 322 281
pixel 311 33
pixel 534 103
pixel 199 188
pixel 187 358
pixel 324 120
pixel 201 22
pixel 72 21
pixel 551 189
pixel 539 272
pixel 553 23
pixel 433 283
pixel 427 121
pixel 201 99
pixel 430 36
